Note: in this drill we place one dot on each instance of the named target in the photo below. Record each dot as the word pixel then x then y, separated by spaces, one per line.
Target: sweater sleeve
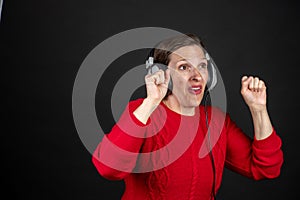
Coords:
pixel 115 156
pixel 256 159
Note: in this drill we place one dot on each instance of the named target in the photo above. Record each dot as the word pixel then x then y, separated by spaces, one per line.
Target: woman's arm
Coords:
pixel 116 155
pixel 254 93
pixel 261 157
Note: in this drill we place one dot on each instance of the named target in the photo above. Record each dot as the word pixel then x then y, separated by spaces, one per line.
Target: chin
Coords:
pixel 195 103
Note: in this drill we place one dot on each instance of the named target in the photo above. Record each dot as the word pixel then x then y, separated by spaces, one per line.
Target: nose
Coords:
pixel 196 75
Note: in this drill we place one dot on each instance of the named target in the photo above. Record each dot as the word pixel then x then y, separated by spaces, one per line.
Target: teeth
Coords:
pixel 197 88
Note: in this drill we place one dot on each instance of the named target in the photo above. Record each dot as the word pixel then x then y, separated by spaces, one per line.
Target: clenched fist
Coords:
pixel 157 85
pixel 253 91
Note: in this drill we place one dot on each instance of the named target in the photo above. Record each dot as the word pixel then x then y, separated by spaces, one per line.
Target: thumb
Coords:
pixel 245 82
pixel 167 76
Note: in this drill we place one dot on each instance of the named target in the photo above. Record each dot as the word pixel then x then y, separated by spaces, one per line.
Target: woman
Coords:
pixel 157 145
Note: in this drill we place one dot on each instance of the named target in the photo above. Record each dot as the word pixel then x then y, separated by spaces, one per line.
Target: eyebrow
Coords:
pixel 183 59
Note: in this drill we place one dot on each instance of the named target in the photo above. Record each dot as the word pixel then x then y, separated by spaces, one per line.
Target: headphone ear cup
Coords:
pixel 170 86
pixel 212 74
pixel 212 81
pixel 153 68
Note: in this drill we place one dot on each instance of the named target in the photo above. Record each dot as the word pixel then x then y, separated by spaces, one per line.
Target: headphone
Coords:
pixel 152 66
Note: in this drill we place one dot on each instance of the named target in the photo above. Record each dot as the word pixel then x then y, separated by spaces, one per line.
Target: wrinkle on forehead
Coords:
pixel 192 54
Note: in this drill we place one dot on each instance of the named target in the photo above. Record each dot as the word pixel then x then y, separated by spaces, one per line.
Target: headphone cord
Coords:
pixel 209 146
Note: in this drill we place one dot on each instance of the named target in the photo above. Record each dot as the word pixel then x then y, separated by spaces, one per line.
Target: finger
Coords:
pixel 245 83
pixel 251 84
pixel 156 78
pixel 261 85
pixel 244 78
pixel 255 84
pixel 151 78
pixel 161 77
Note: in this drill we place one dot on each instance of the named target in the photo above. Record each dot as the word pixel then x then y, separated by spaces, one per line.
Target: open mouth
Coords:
pixel 195 89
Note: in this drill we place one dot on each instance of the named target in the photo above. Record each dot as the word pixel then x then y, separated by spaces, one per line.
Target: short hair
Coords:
pixel 164 48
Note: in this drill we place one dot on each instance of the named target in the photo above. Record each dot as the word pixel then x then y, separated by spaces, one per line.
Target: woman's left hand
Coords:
pixel 253 91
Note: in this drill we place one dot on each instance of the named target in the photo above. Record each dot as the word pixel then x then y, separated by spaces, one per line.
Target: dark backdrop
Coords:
pixel 43 44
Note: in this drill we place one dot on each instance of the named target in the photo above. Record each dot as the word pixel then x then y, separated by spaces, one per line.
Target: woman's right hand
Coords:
pixel 157 85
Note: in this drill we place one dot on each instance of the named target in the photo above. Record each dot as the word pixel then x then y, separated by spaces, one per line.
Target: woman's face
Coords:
pixel 189 75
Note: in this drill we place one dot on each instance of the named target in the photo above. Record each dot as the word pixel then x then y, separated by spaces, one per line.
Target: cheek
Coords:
pixel 178 81
pixel 205 76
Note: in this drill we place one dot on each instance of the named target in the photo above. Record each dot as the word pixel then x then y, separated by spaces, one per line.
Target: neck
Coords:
pixel 173 104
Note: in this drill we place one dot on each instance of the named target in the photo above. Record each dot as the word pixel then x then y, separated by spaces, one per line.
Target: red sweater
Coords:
pixel 183 167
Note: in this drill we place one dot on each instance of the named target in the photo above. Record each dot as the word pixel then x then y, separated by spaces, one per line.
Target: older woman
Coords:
pixel 167 114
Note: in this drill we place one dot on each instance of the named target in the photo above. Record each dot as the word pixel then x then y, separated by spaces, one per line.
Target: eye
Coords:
pixel 183 67
pixel 203 65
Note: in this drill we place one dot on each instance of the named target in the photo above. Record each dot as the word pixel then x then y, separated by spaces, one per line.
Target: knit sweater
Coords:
pixel 168 157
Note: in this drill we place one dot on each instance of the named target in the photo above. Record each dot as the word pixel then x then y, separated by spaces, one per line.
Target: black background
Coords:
pixel 43 44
